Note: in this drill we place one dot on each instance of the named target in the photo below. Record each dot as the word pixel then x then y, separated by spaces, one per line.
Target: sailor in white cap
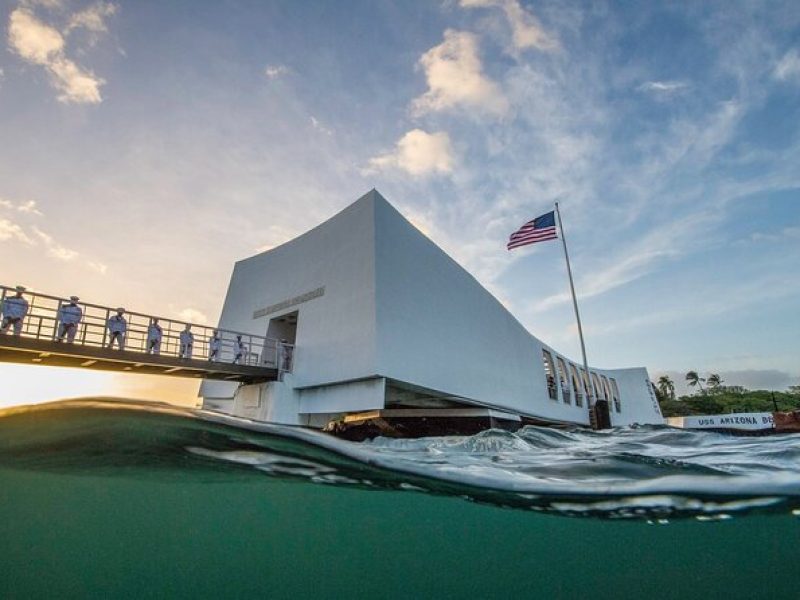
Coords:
pixel 239 350
pixel 187 342
pixel 214 344
pixel 117 327
pixel 69 317
pixel 15 308
pixel 154 333
pixel 285 356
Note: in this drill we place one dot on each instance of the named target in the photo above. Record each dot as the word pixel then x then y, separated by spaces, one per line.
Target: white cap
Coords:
pixel 120 309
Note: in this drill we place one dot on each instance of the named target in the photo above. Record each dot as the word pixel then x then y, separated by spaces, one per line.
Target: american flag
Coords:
pixel 539 229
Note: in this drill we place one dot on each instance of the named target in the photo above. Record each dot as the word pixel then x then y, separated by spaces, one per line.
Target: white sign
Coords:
pixel 743 421
pixel 290 302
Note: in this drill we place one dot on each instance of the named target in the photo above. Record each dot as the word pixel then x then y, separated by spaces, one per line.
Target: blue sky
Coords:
pixel 146 146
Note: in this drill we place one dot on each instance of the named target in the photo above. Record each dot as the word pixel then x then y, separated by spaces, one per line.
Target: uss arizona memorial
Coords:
pixel 392 334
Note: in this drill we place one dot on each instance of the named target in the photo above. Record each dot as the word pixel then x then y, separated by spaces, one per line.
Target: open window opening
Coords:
pixel 587 385
pixel 282 332
pixel 577 388
pixel 606 388
pixel 615 395
pixel 564 379
pixel 550 374
pixel 598 389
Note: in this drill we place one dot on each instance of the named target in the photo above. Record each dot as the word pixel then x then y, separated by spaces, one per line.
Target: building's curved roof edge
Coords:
pixel 367 197
pixel 374 196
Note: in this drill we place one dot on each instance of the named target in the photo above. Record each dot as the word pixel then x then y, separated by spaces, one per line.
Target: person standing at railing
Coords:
pixel 154 334
pixel 69 317
pixel 239 351
pixel 117 328
pixel 187 342
pixel 285 356
pixel 214 344
pixel 15 308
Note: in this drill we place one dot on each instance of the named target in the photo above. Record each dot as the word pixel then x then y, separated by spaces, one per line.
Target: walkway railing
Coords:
pixel 42 323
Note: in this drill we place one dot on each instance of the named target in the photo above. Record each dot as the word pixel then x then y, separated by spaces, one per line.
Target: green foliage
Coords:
pixel 665 388
pixel 726 402
pixel 693 379
pixel 714 381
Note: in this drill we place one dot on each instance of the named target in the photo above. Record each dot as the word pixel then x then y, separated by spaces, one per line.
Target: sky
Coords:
pixel 147 146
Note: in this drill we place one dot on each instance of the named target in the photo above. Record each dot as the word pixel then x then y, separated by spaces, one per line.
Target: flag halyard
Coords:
pixel 540 229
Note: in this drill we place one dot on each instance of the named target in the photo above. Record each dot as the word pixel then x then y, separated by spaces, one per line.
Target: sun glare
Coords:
pixel 23 384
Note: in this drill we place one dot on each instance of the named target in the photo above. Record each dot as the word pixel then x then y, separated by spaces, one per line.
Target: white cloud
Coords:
pixel 54 249
pixel 61 252
pixel 635 260
pixel 526 30
pixel 320 127
pixel 43 45
pixel 51 4
pixel 701 302
pixel 33 40
pixel 192 315
pixel 76 85
pixel 275 71
pixel 36 237
pixel 29 207
pixel 97 266
pixel 788 67
pixel 419 153
pixel 12 231
pixel 663 87
pixel 92 18
pixel 455 78
pixel 782 234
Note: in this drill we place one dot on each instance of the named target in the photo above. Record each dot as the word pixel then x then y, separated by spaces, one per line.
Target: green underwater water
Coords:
pixel 114 500
pixel 67 536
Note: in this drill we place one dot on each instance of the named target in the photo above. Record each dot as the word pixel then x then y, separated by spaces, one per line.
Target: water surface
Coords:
pixel 101 499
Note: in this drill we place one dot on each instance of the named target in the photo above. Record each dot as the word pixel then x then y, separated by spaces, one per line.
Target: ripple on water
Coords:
pixel 650 473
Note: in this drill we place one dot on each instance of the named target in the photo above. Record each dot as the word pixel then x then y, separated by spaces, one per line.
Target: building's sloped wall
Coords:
pixel 335 332
pixel 438 328
pixel 639 404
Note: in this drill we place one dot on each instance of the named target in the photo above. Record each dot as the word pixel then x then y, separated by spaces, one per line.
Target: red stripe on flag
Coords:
pixel 520 238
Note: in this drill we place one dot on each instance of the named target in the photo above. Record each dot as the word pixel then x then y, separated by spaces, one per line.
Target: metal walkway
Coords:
pixel 264 359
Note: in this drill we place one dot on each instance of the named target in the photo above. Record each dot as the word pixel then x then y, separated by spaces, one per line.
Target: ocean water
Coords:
pixel 103 499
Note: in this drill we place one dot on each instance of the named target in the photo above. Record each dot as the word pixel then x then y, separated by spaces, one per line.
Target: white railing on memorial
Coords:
pixel 41 322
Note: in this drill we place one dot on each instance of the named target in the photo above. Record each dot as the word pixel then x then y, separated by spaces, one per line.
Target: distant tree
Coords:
pixel 694 380
pixel 666 386
pixel 794 389
pixel 714 381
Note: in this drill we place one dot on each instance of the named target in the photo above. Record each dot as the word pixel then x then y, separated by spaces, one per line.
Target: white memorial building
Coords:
pixel 389 330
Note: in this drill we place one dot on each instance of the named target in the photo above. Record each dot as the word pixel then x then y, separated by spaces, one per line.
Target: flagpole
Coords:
pixel 590 396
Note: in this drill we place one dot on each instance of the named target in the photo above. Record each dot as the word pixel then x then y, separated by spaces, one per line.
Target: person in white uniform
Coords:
pixel 187 342
pixel 117 328
pixel 239 350
pixel 15 308
pixel 285 356
pixel 154 334
pixel 214 345
pixel 69 317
